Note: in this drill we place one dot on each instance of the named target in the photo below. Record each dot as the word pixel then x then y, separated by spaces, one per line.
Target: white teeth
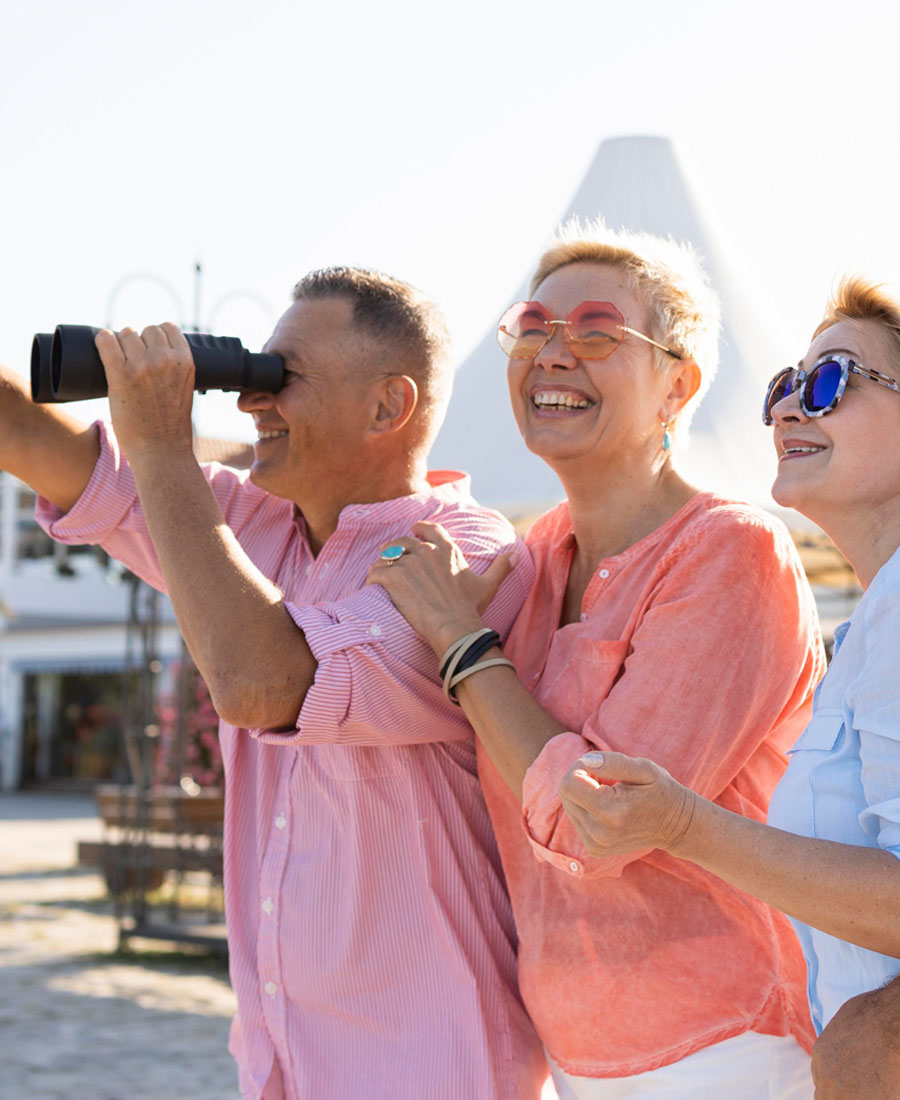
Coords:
pixel 802 450
pixel 546 398
pixel 270 435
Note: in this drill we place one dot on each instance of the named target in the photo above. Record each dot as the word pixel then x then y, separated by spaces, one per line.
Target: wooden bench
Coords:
pixel 150 833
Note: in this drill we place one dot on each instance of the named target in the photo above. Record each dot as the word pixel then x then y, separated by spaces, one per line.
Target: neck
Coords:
pixel 613 509
pixel 322 509
pixel 866 540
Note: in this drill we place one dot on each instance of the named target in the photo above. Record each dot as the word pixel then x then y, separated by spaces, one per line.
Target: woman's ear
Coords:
pixel 395 398
pixel 685 378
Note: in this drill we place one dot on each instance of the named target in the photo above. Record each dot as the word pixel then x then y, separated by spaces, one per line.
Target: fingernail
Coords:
pixel 593 759
pixel 513 560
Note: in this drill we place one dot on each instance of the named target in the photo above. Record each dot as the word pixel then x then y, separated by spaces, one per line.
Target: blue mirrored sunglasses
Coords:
pixel 820 389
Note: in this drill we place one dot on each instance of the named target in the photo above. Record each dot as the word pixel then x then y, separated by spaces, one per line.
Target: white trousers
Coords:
pixel 746 1067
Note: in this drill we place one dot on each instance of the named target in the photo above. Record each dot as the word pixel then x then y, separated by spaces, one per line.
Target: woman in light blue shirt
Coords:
pixel 832 860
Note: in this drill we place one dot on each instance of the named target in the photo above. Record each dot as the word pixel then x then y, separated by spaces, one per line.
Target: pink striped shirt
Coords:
pixel 372 946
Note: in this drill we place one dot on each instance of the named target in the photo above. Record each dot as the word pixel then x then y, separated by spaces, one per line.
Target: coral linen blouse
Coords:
pixel 699 648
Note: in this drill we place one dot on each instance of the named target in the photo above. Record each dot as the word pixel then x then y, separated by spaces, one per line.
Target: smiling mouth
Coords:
pixel 799 452
pixel 263 437
pixel 548 399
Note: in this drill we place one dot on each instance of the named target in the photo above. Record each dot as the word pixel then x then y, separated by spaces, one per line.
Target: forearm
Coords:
pixel 43 445
pixel 842 889
pixel 511 726
pixel 254 659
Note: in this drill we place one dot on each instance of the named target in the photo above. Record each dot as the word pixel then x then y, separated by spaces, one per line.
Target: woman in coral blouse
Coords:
pixel 665 622
pixel 833 862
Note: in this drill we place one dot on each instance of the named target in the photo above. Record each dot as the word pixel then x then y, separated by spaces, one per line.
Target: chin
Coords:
pixel 803 499
pixel 262 478
pixel 783 495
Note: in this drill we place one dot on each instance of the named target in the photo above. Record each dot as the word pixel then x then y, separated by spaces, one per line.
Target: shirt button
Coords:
pixel 584 616
pixel 574 866
pixel 271 988
pixel 267 906
pixel 375 630
pixel 604 573
pixel 280 821
pixel 308 569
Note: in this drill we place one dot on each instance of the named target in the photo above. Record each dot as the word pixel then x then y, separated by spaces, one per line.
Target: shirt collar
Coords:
pixel 443 487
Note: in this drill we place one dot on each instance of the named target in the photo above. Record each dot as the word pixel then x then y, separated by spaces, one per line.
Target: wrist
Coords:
pixel 685 823
pixel 445 634
pixel 160 455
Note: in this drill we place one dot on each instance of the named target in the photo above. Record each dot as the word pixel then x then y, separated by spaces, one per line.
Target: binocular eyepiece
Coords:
pixel 66 366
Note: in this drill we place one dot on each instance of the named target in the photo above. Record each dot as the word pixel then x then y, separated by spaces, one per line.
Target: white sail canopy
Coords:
pixel 636 183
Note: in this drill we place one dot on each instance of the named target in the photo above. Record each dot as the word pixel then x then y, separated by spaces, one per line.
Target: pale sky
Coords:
pixel 439 143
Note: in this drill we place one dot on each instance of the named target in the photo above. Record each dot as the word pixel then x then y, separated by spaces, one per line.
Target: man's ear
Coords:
pixel 394 401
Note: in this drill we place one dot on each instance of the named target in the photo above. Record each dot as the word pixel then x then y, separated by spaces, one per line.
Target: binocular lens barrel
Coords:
pixel 41 388
pixel 67 366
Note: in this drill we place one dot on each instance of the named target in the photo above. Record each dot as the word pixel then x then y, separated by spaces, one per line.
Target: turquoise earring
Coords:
pixel 667 438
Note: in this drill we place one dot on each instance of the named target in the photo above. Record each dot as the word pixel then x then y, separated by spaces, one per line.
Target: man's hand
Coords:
pixel 151 388
pixel 254 659
pixel 857 1056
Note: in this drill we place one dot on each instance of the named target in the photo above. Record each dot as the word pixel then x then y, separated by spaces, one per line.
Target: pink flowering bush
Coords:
pixel 199 758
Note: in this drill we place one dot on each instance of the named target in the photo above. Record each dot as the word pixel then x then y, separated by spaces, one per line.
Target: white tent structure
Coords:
pixel 636 183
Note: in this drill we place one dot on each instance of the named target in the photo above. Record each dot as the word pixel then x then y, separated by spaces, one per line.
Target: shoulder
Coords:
pixel 475 527
pixel 737 551
pixel 714 528
pixel 481 534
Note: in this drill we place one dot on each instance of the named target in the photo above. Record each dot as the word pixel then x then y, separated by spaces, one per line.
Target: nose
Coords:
pixel 556 354
pixel 788 410
pixel 250 401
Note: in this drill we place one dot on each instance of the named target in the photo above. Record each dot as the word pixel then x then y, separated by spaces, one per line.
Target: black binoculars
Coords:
pixel 66 366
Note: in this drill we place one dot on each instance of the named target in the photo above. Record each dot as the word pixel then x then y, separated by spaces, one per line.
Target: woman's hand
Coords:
pixel 621 804
pixel 434 589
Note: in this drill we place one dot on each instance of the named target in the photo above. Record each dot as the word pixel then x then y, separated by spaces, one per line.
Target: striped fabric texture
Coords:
pixel 372 946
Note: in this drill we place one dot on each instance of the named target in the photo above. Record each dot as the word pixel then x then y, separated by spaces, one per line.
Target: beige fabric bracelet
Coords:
pixel 475 668
pixel 461 645
pixel 456 652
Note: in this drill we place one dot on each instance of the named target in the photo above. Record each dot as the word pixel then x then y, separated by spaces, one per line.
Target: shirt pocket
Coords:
pixel 822 734
pixel 580 673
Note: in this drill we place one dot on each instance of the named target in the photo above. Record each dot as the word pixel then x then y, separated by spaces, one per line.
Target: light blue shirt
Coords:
pixel 843 780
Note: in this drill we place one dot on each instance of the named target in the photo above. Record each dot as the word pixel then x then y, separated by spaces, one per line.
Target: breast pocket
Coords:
pixel 823 733
pixel 580 673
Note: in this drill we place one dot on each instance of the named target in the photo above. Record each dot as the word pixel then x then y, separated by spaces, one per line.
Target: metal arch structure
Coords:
pixel 155 830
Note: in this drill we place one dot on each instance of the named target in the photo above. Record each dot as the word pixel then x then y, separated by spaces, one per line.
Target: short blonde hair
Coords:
pixel 668 277
pixel 856 297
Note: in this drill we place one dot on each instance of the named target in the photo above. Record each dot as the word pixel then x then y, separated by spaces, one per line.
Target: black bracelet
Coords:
pixel 477 650
pixel 471 657
pixel 454 649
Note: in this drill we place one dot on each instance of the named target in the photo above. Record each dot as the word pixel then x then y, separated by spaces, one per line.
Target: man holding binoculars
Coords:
pixel 371 940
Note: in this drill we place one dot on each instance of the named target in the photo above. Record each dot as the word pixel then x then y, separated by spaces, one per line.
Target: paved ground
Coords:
pixel 77 1020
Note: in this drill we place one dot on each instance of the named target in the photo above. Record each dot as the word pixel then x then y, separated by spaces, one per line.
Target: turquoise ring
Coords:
pixel 393 553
